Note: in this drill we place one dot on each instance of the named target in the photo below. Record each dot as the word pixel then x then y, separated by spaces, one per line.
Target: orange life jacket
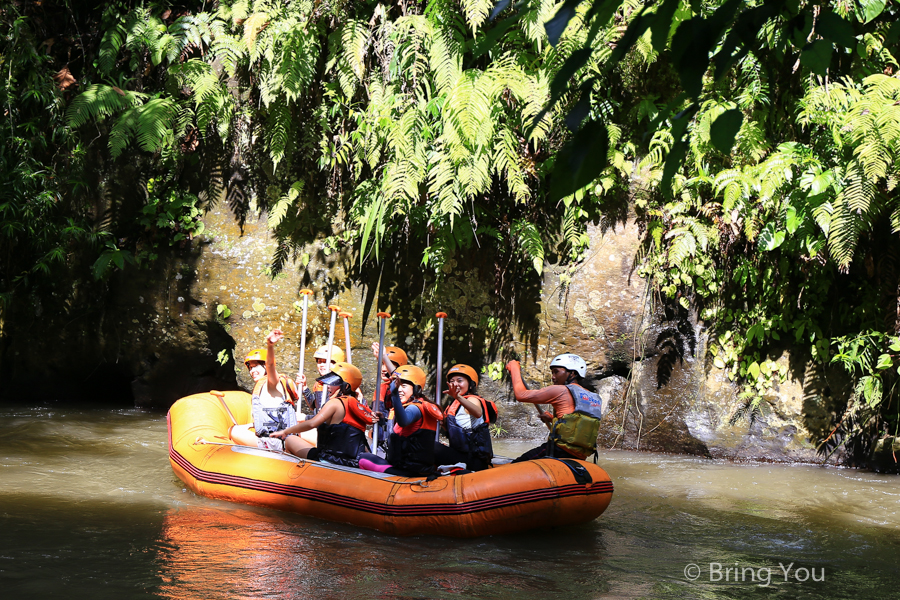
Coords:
pixel 355 414
pixel 411 448
pixel 431 415
pixel 343 442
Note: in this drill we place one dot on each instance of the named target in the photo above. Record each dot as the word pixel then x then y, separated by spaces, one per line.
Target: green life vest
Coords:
pixel 577 432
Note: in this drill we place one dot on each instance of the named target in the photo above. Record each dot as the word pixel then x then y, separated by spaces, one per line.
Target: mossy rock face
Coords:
pixel 150 337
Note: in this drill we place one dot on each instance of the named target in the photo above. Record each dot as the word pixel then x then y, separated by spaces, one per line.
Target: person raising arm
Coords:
pixel 577 411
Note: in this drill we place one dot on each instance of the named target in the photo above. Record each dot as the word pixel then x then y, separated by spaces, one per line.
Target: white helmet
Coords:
pixel 571 362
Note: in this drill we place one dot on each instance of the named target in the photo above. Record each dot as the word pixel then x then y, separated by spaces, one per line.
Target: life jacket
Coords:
pixel 272 414
pixel 577 432
pixel 343 442
pixel 474 441
pixel 411 448
pixel 289 386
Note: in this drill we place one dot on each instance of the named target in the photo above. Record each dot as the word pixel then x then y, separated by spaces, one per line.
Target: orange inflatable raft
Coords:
pixel 504 499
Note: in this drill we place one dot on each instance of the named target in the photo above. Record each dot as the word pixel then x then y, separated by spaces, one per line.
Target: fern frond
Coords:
pixel 99 101
pixel 112 40
pixel 529 239
pixel 278 212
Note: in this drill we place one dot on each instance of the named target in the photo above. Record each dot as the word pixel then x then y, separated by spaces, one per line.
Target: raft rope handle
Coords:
pixel 200 441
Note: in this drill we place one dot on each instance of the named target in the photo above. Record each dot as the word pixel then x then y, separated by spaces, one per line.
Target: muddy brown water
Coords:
pixel 90 508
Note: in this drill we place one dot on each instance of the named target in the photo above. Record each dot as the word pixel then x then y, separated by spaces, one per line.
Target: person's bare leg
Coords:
pixel 297 446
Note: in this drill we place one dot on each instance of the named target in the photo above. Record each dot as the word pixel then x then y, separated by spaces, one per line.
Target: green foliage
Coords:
pixel 787 246
pixel 494 370
pixel 224 356
pixel 171 213
pixel 42 229
pixel 757 140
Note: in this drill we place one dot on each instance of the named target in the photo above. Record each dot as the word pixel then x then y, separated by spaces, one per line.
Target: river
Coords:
pixel 90 508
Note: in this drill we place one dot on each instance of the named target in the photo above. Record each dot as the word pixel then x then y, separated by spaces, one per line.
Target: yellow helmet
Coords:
pixel 396 355
pixel 411 374
pixel 258 354
pixel 463 370
pixel 337 355
pixel 348 374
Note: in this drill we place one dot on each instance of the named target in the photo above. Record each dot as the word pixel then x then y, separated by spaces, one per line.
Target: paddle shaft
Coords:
pixel 439 368
pixel 382 316
pixel 306 294
pixel 334 311
pixel 346 317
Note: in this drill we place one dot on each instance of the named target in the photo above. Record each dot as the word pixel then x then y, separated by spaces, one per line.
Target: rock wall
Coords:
pixel 185 327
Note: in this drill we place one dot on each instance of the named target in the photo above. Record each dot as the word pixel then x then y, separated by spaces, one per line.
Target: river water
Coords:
pixel 90 508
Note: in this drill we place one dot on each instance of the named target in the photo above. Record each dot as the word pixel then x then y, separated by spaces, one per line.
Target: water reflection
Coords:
pixel 237 552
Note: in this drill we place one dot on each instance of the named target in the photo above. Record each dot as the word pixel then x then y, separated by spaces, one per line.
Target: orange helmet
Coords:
pixel 463 370
pixel 347 373
pixel 337 355
pixel 258 354
pixel 411 374
pixel 396 355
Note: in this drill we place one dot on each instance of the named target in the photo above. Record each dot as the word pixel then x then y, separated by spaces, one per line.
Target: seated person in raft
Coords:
pixel 467 423
pixel 273 399
pixel 341 422
pixel 575 422
pixel 410 451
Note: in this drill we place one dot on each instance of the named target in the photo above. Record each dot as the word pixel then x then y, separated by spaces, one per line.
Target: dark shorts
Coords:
pixel 444 455
pixel 542 451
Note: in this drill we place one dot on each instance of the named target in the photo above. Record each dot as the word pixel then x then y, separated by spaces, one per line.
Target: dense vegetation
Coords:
pixel 754 143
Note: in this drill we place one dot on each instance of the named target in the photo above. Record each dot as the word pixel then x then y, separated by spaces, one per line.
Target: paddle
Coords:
pixel 439 367
pixel 306 294
pixel 334 311
pixel 382 316
pixel 346 316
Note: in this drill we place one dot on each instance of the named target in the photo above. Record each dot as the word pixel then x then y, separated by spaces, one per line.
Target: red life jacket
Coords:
pixel 343 442
pixel 289 387
pixel 355 414
pixel 411 448
pixel 431 415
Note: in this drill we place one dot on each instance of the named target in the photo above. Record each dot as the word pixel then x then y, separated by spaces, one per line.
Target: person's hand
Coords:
pixel 546 417
pixel 453 392
pixel 375 348
pixel 301 381
pixel 513 364
pixel 280 434
pixel 275 336
pixel 379 417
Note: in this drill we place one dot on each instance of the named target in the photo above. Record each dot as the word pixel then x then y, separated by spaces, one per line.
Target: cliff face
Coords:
pixel 150 337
